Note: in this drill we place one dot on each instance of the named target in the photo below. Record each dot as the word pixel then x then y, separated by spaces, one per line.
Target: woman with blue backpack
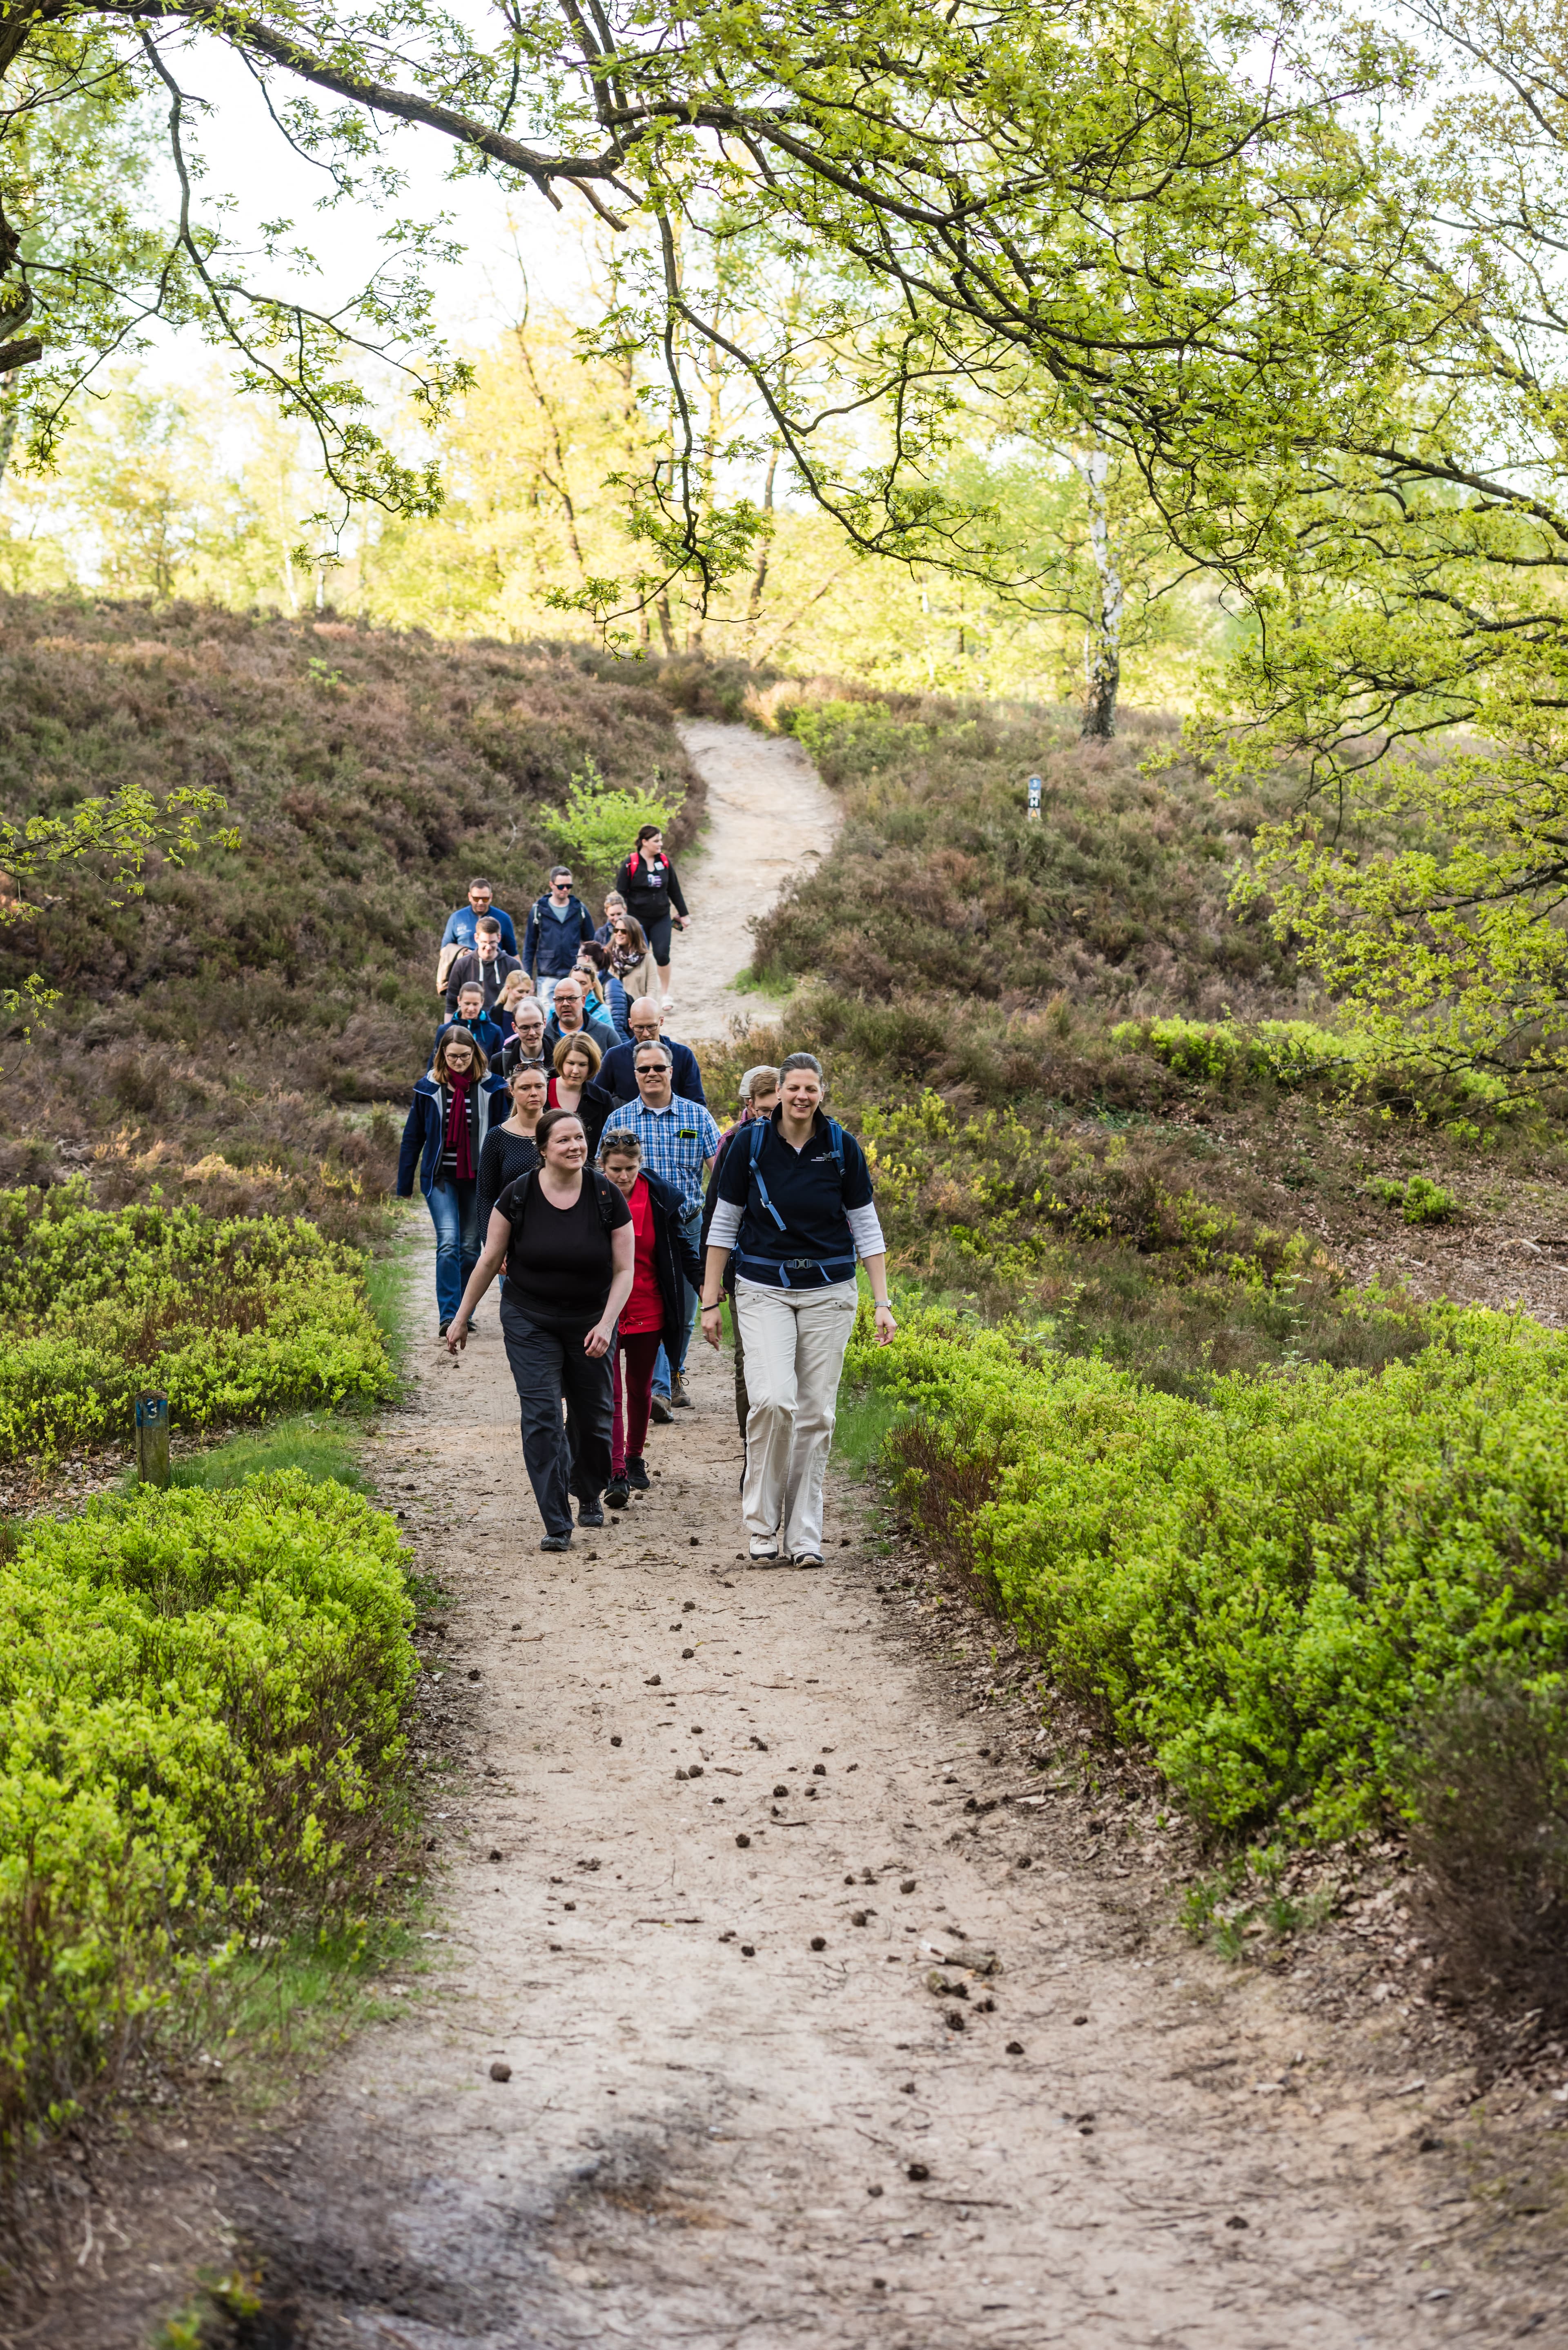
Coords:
pixel 796 1208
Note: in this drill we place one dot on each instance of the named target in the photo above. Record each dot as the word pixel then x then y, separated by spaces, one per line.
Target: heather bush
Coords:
pixel 200 1701
pixel 236 1318
pixel 1265 1586
pixel 221 1032
pixel 1486 1788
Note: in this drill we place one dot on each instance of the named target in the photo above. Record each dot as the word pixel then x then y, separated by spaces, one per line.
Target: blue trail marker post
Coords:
pixel 152 1437
pixel 1035 798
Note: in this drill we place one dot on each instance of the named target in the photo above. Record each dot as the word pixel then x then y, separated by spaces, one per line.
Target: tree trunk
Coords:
pixel 1102 637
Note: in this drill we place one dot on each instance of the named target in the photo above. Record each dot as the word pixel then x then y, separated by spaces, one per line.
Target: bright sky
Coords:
pixel 496 222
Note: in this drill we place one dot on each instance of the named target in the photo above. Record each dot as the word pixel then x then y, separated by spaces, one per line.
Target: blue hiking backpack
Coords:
pixel 797 1271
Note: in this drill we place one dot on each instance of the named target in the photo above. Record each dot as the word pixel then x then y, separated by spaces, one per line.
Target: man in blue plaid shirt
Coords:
pixel 679 1141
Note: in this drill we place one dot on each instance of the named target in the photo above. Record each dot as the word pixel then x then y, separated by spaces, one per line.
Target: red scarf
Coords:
pixel 457 1129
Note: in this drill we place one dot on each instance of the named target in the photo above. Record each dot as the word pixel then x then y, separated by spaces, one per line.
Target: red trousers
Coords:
pixel 637 1350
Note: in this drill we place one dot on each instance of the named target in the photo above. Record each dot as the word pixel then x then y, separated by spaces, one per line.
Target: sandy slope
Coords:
pixel 769 814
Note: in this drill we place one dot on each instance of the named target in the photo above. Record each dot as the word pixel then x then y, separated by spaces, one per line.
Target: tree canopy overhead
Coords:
pixel 1098 210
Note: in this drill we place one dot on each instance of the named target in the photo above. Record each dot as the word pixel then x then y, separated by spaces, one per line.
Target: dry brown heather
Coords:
pixel 952 947
pixel 261 1014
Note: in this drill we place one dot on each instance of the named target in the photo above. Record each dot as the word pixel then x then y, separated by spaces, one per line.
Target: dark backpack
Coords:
pixel 828 1271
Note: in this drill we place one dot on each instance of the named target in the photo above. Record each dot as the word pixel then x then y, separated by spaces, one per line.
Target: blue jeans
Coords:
pixel 691 1225
pixel 454 1212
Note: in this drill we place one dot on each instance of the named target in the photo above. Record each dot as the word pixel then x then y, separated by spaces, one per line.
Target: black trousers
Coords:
pixel 550 1368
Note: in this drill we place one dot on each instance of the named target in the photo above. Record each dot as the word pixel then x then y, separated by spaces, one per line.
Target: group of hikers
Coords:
pixel 562 1142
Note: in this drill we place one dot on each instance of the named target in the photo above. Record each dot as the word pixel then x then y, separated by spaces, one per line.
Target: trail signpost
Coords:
pixel 152 1437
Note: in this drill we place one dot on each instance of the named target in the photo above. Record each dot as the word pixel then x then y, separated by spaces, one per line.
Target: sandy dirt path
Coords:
pixel 719 1836
pixel 709 1837
pixel 769 814
pixel 736 2112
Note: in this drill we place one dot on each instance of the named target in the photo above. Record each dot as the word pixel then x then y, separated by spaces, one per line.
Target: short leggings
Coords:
pixel 656 934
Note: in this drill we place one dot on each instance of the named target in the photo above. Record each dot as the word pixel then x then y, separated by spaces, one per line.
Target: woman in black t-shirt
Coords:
pixel 566 1234
pixel 511 1149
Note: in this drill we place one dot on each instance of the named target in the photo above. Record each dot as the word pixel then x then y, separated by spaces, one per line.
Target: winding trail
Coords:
pixel 737 2112
pixel 769 814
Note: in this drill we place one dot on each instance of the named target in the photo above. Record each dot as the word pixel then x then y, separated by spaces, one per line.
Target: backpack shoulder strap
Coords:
pixel 604 1192
pixel 835 1139
pixel 759 1127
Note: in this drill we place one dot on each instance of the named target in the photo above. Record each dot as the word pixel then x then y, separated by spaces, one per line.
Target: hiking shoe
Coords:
pixel 618 1494
pixel 590 1513
pixel 806 1558
pixel 677 1394
pixel 662 1412
pixel 764 1549
pixel 636 1475
pixel 447 1326
pixel 557 1541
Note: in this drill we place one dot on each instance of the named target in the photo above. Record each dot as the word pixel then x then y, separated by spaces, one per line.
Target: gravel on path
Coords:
pixel 712 1862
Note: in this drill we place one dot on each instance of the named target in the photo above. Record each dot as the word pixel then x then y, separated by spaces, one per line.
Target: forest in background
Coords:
pixel 205 494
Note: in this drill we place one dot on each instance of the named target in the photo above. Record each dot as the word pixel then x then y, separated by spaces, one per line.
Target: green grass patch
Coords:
pixel 317 1448
pixel 866 1418
pixel 237 1318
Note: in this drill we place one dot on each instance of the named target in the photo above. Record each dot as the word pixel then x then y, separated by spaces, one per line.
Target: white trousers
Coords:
pixel 795 1341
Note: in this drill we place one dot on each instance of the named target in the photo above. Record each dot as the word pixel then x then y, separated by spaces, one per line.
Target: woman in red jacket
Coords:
pixel 649 883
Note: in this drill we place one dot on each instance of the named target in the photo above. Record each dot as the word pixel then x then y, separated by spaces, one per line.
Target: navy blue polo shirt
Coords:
pixel 804 1186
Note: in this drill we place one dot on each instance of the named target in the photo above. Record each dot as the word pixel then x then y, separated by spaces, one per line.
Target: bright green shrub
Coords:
pixel 1419 1201
pixel 598 827
pixel 201 1698
pixel 236 1318
pixel 1213 1052
pixel 1264 1585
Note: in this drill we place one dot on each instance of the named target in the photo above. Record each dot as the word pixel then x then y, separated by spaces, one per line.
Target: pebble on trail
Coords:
pixel 503 2072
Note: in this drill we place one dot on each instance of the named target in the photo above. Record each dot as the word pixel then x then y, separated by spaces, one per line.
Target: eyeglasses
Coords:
pixel 645 1027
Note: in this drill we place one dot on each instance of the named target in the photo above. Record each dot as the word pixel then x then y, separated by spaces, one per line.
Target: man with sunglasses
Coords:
pixel 559 924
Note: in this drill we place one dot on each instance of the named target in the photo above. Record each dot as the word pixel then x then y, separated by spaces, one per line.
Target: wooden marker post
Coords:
pixel 152 1437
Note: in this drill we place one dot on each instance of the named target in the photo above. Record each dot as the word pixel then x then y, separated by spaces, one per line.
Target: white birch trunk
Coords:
pixel 1102 637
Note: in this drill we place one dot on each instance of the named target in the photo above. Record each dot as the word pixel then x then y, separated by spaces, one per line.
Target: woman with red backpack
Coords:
pixel 649 883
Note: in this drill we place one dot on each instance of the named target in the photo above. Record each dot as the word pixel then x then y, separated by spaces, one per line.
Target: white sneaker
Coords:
pixel 763 1547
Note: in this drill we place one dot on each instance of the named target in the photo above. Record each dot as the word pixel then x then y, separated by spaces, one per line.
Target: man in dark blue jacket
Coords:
pixel 559 924
pixel 618 1077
